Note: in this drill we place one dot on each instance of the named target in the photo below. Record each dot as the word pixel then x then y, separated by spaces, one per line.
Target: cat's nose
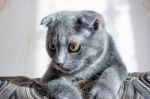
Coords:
pixel 60 64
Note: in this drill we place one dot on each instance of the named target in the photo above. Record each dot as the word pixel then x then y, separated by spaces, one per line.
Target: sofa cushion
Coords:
pixel 136 86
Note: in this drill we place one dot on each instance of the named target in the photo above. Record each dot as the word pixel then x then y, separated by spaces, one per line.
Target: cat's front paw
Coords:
pixel 63 92
pixel 59 96
pixel 64 95
pixel 98 93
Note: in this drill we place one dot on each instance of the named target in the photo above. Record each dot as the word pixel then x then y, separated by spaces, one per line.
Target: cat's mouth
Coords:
pixel 64 70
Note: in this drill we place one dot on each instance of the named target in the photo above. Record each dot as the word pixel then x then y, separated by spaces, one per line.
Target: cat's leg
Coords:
pixel 107 86
pixel 62 89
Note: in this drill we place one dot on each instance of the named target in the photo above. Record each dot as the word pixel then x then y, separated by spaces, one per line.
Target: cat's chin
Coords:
pixel 66 71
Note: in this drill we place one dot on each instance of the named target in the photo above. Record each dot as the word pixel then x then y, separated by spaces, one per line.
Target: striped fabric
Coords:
pixel 137 86
pixel 20 88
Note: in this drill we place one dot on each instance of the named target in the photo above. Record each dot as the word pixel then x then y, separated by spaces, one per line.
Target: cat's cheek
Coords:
pixel 76 68
pixel 51 54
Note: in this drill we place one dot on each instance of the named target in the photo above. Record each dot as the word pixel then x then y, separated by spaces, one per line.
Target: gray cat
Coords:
pixel 81 49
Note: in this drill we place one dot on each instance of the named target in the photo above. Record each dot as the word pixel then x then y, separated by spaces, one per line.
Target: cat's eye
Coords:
pixel 52 47
pixel 73 47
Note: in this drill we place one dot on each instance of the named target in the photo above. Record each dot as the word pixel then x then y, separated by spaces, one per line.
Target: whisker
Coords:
pixel 77 63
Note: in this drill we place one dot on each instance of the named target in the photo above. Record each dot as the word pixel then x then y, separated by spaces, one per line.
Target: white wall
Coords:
pixel 22 39
pixel 17 20
pixel 140 15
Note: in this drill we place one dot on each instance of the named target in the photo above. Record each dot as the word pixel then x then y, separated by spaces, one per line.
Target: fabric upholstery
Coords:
pixel 136 86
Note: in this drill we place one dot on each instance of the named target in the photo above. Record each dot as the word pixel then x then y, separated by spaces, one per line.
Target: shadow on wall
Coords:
pixel 4 4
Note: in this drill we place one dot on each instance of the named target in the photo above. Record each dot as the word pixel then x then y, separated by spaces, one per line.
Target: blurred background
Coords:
pixel 22 38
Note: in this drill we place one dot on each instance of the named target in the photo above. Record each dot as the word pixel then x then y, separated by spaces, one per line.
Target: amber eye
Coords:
pixel 73 47
pixel 52 47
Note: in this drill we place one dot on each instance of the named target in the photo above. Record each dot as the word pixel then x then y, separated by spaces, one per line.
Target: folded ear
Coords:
pixel 90 20
pixel 48 20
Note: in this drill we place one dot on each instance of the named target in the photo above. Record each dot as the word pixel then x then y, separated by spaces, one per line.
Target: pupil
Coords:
pixel 73 47
pixel 52 46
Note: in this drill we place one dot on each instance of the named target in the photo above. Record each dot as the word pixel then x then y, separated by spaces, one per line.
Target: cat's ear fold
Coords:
pixel 49 20
pixel 96 24
pixel 90 20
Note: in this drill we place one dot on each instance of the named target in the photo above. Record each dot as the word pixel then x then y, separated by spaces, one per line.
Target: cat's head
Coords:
pixel 75 40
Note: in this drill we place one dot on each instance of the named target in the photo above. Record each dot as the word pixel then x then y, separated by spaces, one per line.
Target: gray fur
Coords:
pixel 97 59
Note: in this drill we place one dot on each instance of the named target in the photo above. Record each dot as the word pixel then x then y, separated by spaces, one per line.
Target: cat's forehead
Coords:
pixel 71 26
pixel 64 26
pixel 64 33
pixel 69 35
pixel 65 37
pixel 65 19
